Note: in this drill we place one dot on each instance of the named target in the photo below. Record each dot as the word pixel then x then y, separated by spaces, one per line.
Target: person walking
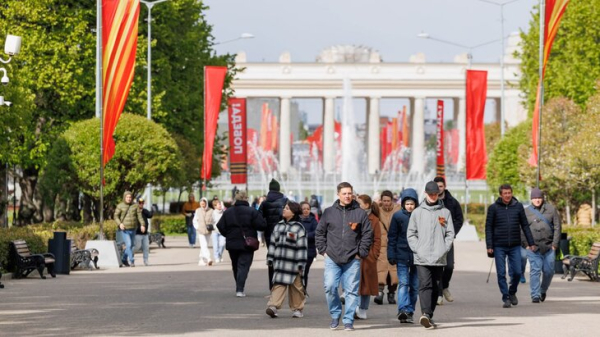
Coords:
pixel 430 234
pixel 272 211
pixel 503 225
pixel 457 221
pixel 237 223
pixel 218 240
pixel 308 220
pixel 545 227
pixel 287 254
pixel 188 209
pixel 386 273
pixel 369 285
pixel 203 223
pixel 127 216
pixel 399 254
pixel 141 235
pixel 344 236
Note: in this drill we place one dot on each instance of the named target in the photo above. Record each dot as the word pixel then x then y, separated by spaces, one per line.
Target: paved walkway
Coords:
pixel 175 297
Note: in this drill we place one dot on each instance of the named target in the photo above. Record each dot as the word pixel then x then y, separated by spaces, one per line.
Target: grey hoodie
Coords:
pixel 428 238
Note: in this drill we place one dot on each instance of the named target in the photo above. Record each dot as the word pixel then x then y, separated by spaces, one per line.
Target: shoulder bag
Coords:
pixel 250 243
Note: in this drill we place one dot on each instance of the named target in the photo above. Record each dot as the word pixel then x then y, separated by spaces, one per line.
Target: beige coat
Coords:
pixel 203 217
pixel 383 266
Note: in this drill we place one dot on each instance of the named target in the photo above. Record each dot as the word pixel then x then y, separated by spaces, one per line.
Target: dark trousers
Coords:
pixel 191 232
pixel 429 278
pixel 241 260
pixel 448 270
pixel 309 262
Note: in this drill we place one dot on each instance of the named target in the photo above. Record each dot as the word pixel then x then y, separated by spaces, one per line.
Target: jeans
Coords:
pixel 513 255
pixel 408 287
pixel 128 237
pixel 241 260
pixel 429 281
pixel 191 232
pixel 143 242
pixel 542 266
pixel 523 261
pixel 364 302
pixel 218 242
pixel 349 275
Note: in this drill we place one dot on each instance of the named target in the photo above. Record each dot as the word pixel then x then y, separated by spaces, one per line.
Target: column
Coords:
pixel 418 136
pixel 373 141
pixel 285 146
pixel 462 134
pixel 328 136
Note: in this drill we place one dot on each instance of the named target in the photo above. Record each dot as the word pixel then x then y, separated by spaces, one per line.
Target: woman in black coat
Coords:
pixel 310 223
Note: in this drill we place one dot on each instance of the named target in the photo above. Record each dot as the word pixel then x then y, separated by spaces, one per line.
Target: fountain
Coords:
pixel 350 166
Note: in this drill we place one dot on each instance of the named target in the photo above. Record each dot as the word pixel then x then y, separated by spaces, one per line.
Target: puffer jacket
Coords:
pixel 344 232
pixel 430 234
pixel 310 224
pixel 544 236
pixel 272 211
pixel 398 248
pixel 128 214
pixel 504 223
pixel 237 221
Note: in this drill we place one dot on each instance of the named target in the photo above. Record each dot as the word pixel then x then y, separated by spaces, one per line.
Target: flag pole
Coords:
pixel 541 75
pixel 99 113
pixel 202 170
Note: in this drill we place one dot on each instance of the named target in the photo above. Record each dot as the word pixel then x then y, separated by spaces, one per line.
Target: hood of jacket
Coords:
pixel 125 196
pixel 274 195
pixel 409 193
pixel 512 202
pixel 205 202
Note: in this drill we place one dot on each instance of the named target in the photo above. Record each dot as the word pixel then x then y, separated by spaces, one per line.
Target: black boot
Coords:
pixel 392 298
pixel 379 298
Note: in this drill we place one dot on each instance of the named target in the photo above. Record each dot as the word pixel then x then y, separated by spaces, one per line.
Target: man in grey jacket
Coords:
pixel 430 235
pixel 343 236
pixel 545 226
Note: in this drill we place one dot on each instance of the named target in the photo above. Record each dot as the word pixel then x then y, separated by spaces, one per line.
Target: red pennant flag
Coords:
pixel 237 140
pixel 119 43
pixel 440 170
pixel 476 92
pixel 214 78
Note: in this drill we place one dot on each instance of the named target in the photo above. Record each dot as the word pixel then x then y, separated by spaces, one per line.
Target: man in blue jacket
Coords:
pixel 344 236
pixel 505 220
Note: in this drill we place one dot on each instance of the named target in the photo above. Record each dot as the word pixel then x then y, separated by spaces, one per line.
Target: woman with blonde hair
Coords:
pixel 203 223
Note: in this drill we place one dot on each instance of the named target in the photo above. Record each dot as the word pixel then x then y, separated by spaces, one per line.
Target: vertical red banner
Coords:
pixel 476 92
pixel 214 78
pixel 440 170
pixel 237 140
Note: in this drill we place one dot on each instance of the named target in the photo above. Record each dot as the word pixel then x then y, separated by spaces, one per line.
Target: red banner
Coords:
pixel 440 171
pixel 119 42
pixel 552 16
pixel 214 78
pixel 476 92
pixel 237 140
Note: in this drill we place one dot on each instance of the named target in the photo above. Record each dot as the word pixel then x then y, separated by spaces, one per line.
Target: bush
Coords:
pixel 170 224
pixel 34 241
pixel 581 239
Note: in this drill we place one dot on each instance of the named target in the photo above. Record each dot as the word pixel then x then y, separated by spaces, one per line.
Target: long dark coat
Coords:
pixel 368 265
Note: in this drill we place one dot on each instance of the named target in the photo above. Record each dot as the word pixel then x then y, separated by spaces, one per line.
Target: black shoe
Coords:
pixel 507 304
pixel 514 300
pixel 402 316
pixel 391 298
pixel 535 300
pixel 410 318
pixel 543 297
pixel 379 298
pixel 125 263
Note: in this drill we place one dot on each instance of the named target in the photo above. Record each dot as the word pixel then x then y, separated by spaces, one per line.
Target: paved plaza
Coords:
pixel 176 297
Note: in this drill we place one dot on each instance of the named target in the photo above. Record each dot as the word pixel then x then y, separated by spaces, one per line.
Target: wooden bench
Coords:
pixel 26 262
pixel 83 257
pixel 586 264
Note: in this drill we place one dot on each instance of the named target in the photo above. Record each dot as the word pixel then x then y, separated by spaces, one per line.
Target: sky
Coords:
pixel 305 27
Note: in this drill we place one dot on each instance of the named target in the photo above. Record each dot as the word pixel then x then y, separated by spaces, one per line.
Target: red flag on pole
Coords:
pixel 119 43
pixel 214 78
pixel 552 16
pixel 476 92
pixel 237 140
pixel 440 171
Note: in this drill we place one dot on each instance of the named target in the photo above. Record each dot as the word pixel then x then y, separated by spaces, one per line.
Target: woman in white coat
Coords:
pixel 203 223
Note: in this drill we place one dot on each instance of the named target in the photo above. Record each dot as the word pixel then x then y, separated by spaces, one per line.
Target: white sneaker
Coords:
pixel 297 314
pixel 240 294
pixel 201 263
pixel 448 295
pixel 440 300
pixel 272 311
pixel 360 313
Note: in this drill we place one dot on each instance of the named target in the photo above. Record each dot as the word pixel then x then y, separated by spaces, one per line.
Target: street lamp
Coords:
pixel 241 37
pixel 424 35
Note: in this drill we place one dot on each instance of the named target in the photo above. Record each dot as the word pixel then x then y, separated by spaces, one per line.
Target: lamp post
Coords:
pixel 241 37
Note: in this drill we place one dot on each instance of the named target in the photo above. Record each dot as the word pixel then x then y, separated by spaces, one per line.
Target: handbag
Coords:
pixel 250 242
pixel 210 227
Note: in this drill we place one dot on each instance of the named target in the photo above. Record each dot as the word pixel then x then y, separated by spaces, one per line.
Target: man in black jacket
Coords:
pixel 141 234
pixel 272 211
pixel 344 237
pixel 453 206
pixel 503 225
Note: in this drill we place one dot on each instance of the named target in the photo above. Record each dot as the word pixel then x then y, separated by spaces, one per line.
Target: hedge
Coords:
pixel 169 224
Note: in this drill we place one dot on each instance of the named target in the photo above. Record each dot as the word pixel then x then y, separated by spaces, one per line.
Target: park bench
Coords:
pixel 1 285
pixel 83 257
pixel 26 262
pixel 586 264
pixel 158 238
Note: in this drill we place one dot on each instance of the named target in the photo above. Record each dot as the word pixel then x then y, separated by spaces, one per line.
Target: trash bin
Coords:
pixel 61 248
pixel 564 250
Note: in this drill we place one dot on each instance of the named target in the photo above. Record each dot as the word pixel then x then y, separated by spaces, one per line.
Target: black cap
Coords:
pixel 274 185
pixel 432 188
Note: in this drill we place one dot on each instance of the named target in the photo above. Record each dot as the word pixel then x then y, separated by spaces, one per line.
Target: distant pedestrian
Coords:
pixel 400 254
pixel 203 223
pixel 386 273
pixel 218 240
pixel 237 223
pixel 369 285
pixel 188 210
pixel 430 234
pixel 545 227
pixel 453 206
pixel 344 236
pixel 127 216
pixel 141 235
pixel 287 255
pixel 310 223
pixel 503 225
pixel 272 211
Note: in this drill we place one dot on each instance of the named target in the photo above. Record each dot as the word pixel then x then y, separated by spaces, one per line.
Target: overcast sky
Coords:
pixel 305 27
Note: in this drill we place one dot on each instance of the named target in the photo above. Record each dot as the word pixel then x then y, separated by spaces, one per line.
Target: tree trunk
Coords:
pixel 88 216
pixel 568 208
pixel 74 210
pixel 593 207
pixel 30 208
